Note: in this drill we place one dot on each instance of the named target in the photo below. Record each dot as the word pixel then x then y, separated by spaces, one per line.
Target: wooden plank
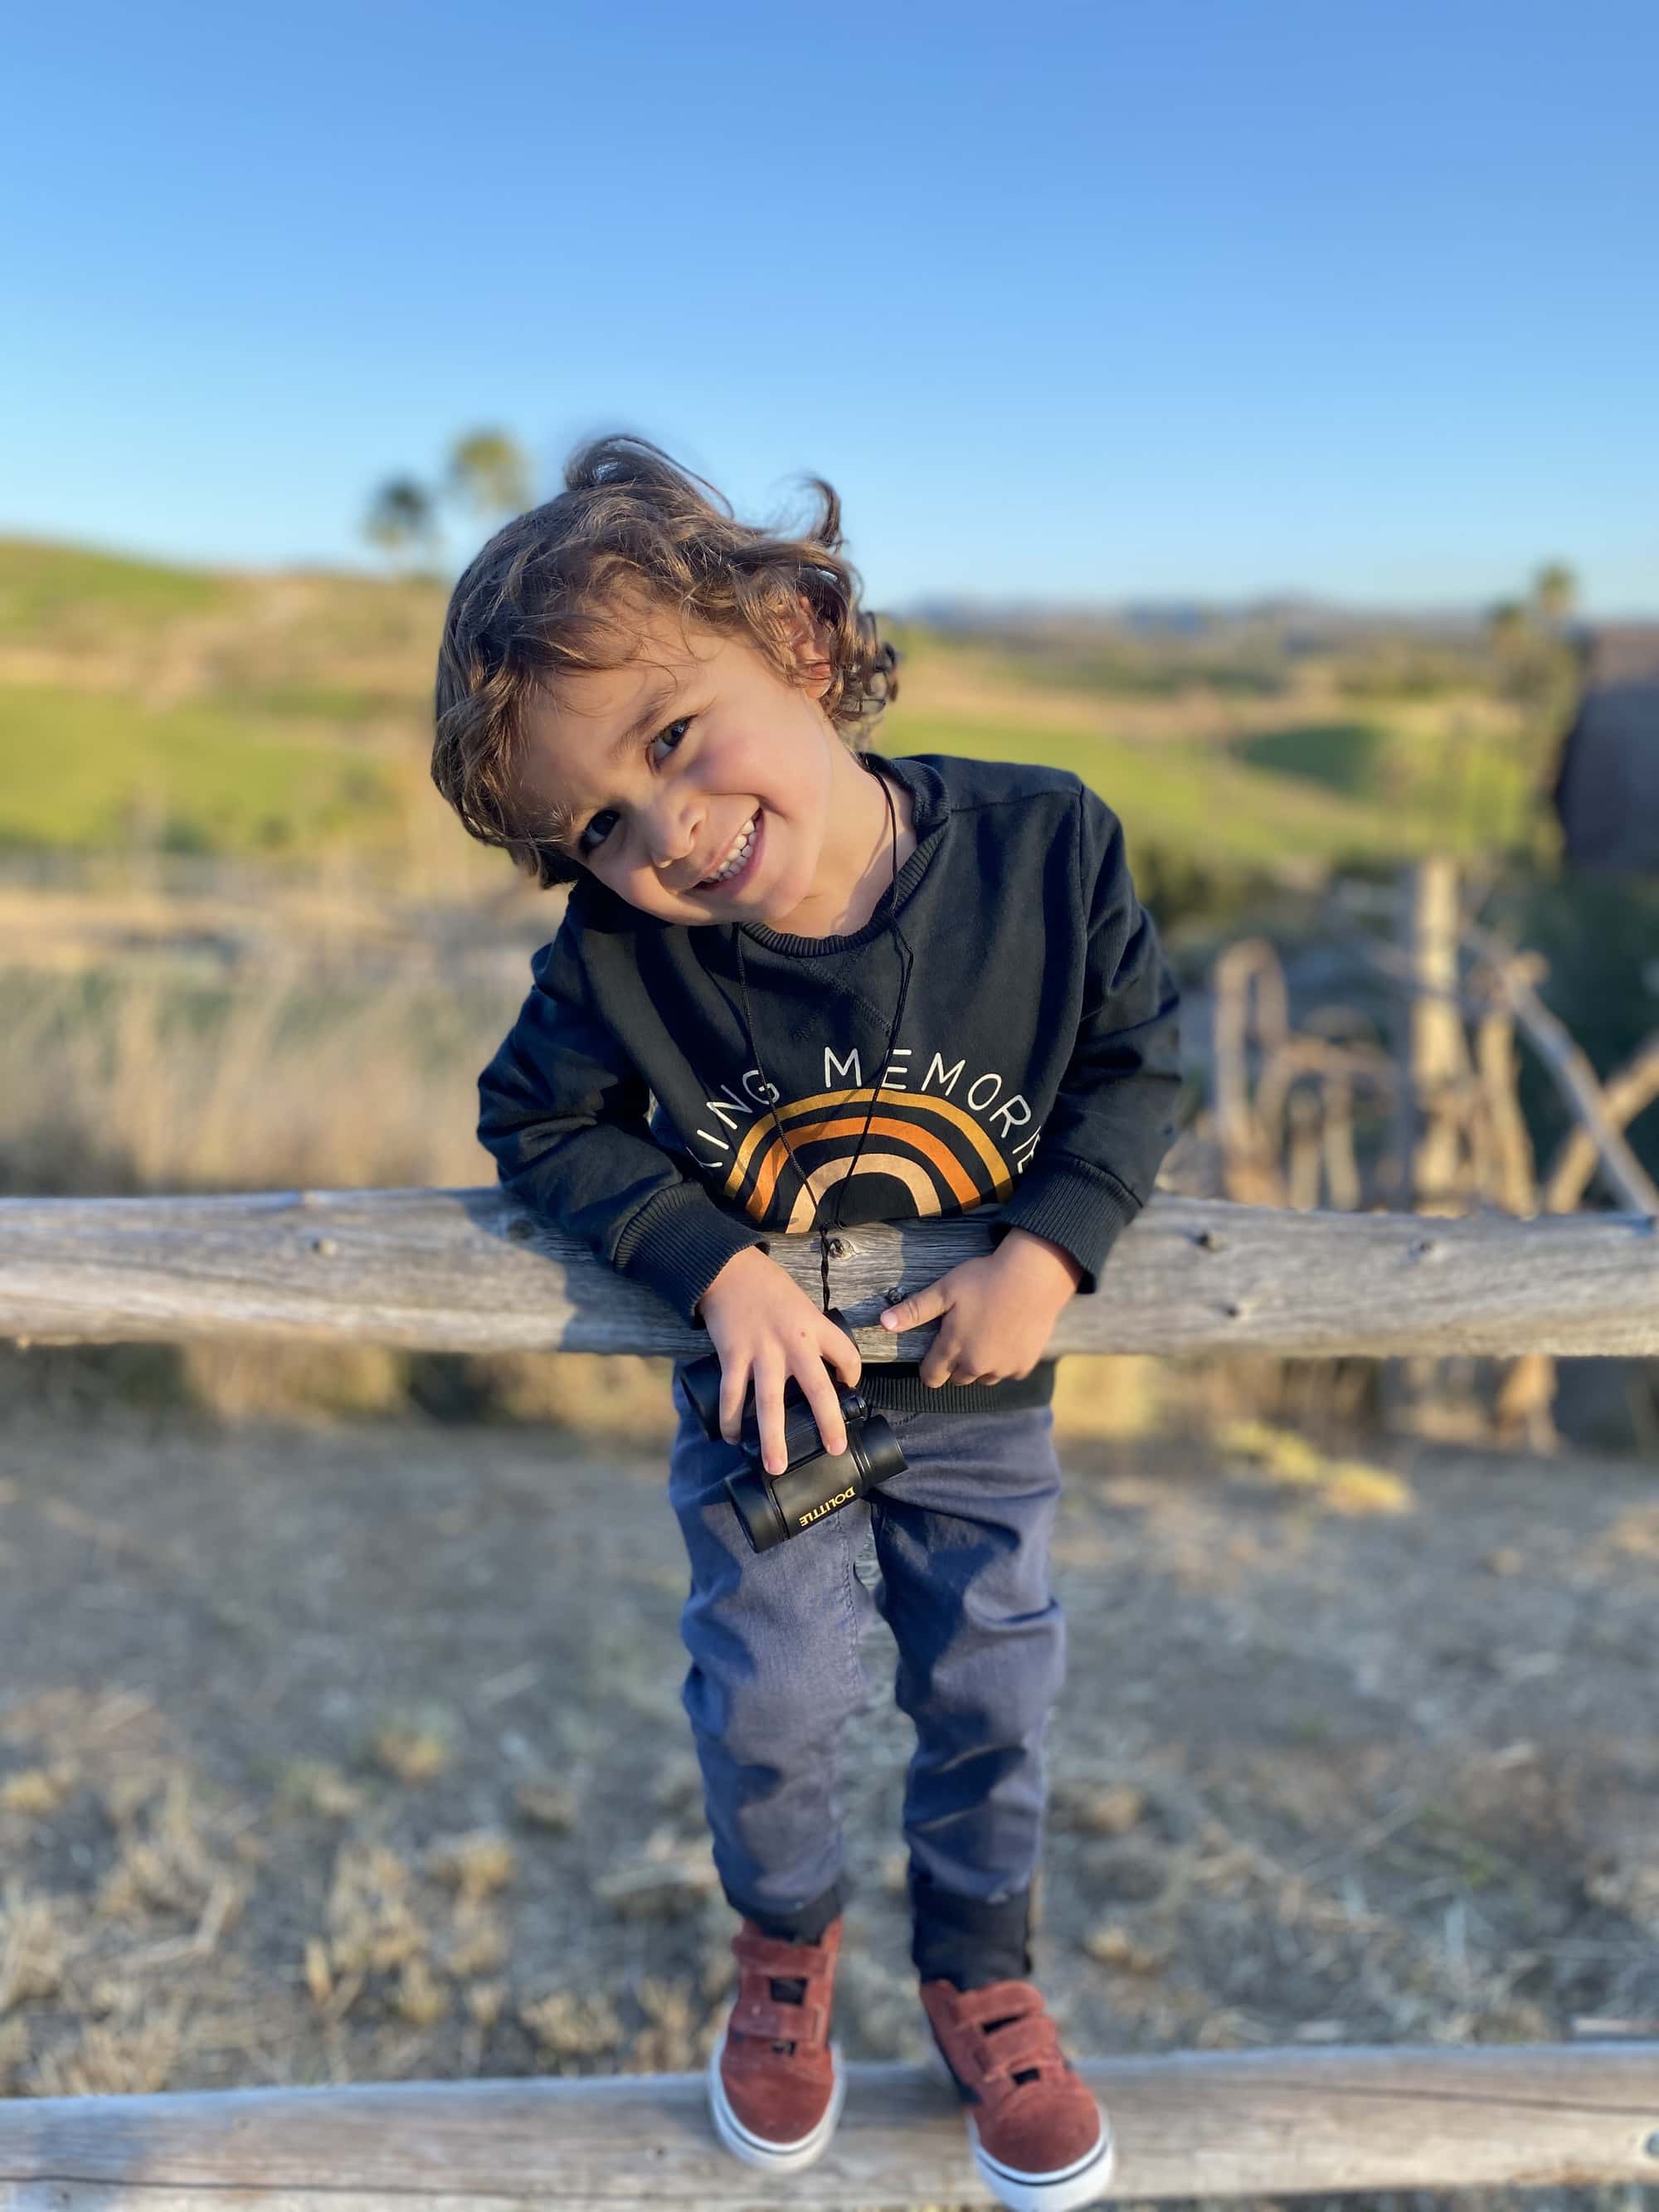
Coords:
pixel 1438 1052
pixel 1271 2123
pixel 463 1271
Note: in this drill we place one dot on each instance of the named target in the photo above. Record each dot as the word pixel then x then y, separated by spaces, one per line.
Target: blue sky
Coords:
pixel 1069 302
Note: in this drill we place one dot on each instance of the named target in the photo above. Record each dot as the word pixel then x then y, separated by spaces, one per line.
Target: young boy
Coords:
pixel 799 983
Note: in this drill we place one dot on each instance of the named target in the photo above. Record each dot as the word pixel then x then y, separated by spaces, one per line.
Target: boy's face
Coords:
pixel 661 765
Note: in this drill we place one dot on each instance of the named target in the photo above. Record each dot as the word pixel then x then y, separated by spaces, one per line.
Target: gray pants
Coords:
pixel 962 1540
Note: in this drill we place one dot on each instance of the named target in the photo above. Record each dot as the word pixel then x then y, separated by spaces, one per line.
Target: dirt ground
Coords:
pixel 358 1754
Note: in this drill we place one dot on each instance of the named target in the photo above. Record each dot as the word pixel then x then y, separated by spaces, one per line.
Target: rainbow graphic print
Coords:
pixel 921 1143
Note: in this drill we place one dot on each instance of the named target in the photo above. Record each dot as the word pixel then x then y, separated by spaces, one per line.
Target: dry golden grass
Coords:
pixel 144 1965
pixel 268 1089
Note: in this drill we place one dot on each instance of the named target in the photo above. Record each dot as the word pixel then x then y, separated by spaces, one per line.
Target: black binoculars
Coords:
pixel 814 1483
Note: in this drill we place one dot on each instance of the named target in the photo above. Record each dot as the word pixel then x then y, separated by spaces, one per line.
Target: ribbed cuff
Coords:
pixel 897 1387
pixel 1082 1209
pixel 679 1241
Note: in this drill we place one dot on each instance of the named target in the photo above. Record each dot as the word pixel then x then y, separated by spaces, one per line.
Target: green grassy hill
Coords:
pixel 271 714
pixel 286 715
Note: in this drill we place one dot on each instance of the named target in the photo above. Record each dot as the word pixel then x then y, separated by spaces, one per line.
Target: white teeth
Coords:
pixel 737 854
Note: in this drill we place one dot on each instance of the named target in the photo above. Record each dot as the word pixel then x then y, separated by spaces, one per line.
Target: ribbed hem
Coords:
pixel 679 1241
pixel 1083 1208
pixel 899 1388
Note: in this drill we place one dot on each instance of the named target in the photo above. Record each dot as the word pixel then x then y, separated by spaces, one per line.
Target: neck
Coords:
pixel 856 863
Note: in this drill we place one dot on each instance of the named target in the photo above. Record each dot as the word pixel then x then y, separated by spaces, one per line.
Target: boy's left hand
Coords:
pixel 997 1313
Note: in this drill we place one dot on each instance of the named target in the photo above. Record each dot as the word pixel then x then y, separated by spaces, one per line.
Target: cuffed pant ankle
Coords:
pixel 966 1939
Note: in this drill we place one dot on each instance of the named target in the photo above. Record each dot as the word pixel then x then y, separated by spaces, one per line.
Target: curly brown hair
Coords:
pixel 562 587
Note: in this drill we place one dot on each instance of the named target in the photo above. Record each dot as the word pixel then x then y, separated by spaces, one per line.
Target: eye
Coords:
pixel 606 814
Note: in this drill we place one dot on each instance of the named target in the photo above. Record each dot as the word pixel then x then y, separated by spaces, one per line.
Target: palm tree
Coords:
pixel 489 473
pixel 400 518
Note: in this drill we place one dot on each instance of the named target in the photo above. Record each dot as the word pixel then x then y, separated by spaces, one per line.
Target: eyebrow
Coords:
pixel 565 819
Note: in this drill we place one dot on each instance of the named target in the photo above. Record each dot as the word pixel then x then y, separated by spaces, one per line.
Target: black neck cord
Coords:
pixel 905 964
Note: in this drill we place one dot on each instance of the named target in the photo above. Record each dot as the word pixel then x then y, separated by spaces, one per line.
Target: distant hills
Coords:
pixel 1316 624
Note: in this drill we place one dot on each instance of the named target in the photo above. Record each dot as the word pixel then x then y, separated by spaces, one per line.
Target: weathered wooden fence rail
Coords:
pixel 466 1271
pixel 1271 2123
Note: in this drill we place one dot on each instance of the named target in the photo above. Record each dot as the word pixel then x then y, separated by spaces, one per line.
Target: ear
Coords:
pixel 811 649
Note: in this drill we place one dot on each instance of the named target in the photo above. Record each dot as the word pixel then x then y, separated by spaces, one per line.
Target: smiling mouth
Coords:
pixel 740 858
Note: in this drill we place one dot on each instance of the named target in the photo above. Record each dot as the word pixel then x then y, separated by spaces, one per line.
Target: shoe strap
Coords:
pixel 1023 2045
pixel 764 1960
pixel 1027 2038
pixel 802 2025
pixel 996 2000
pixel 773 1955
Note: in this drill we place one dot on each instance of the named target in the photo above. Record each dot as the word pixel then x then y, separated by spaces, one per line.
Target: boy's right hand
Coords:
pixel 766 1329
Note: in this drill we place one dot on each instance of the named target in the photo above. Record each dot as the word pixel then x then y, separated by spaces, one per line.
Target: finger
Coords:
pixel 935 1368
pixel 770 1380
pixel 826 1406
pixel 921 1305
pixel 843 1355
pixel 734 1389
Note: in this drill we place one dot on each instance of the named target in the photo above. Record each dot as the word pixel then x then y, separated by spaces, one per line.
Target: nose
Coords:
pixel 670 834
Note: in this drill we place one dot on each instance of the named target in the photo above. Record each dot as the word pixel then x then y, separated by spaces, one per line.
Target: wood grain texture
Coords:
pixel 464 1270
pixel 1213 2125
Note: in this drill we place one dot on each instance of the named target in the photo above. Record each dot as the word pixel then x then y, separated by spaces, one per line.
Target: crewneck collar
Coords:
pixel 929 812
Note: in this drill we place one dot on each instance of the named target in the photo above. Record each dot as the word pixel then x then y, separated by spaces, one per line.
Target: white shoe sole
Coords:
pixel 1064 2190
pixel 755 2150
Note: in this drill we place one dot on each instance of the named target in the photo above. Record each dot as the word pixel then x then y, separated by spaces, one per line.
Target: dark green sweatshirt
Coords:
pixel 1032 1077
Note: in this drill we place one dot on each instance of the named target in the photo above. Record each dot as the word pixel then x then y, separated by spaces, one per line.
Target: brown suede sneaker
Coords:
pixel 1039 2138
pixel 775 2081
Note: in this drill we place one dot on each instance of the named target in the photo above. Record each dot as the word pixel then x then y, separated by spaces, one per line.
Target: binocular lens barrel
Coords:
pixel 772 1507
pixel 814 1483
